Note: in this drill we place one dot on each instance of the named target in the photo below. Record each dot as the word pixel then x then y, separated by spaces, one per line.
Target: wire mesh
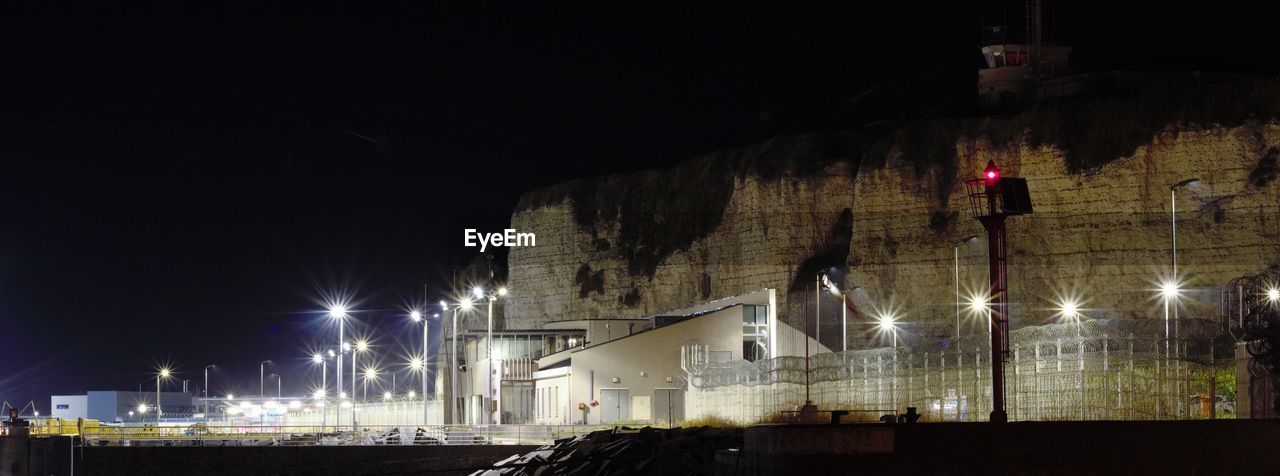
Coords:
pixel 1106 369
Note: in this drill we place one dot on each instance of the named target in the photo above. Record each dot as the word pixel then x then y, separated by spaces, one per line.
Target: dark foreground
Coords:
pixel 1045 448
pixel 53 456
pixel 1050 448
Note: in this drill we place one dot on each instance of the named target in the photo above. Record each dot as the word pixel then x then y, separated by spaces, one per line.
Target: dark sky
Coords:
pixel 178 186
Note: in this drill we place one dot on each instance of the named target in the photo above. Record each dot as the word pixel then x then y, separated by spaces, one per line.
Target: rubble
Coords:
pixel 624 451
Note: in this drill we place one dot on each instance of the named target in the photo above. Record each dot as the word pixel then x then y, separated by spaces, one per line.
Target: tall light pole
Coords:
pixel 844 309
pixel 454 410
pixel 488 399
pixel 360 346
pixel 370 373
pixel 817 315
pixel 426 345
pixel 324 386
pixel 262 386
pixel 956 248
pixel 1069 310
pixel 162 374
pixel 206 391
pixel 279 384
pixel 888 321
pixel 1173 248
pixel 339 312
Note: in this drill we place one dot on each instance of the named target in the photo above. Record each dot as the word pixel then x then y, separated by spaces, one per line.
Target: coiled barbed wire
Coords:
pixel 1262 327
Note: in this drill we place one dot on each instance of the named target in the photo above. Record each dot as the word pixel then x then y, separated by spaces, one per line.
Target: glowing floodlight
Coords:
pixel 338 311
pixel 416 316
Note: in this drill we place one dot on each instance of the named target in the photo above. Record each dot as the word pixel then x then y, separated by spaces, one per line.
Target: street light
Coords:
pixel 488 400
pixel 1069 310
pixel 279 384
pixel 465 305
pixel 162 374
pixel 370 373
pixel 1173 241
pixel 956 249
pixel 339 312
pixel 206 391
pixel 360 346
pixel 844 309
pixel 888 322
pixel 262 381
pixel 421 364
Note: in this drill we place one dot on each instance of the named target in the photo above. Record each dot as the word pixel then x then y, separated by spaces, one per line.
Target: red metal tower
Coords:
pixel 993 198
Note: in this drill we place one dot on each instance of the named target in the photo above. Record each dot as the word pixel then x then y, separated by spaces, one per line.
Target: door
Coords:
pixel 615 405
pixel 668 406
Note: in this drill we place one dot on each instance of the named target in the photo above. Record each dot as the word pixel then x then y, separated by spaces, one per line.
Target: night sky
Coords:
pixel 180 188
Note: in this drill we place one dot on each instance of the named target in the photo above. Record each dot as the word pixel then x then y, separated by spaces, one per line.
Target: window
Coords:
pixel 755 330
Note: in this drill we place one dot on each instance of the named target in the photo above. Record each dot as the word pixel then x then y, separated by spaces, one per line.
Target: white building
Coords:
pixel 639 376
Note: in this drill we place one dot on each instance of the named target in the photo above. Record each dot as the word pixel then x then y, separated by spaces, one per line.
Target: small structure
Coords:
pixel 1015 73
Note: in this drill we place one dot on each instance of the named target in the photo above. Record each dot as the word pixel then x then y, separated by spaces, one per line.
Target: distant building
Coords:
pixel 111 405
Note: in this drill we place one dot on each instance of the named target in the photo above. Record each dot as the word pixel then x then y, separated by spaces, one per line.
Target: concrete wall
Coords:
pixel 552 399
pixel 52 456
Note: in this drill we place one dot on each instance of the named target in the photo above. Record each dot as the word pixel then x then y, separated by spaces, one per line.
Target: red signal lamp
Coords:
pixel 992 174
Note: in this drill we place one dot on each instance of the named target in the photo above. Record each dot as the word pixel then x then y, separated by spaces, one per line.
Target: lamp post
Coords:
pixel 426 344
pixel 361 346
pixel 478 293
pixel 162 374
pixel 324 386
pixel 956 248
pixel 339 312
pixel 888 321
pixel 1173 251
pixel 453 353
pixel 262 386
pixel 370 373
pixel 844 309
pixel 279 384
pixel 1069 310
pixel 206 391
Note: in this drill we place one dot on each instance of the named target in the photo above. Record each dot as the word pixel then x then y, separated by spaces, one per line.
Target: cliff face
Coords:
pixel 881 209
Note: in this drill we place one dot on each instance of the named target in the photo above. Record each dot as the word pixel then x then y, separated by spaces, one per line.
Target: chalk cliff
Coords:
pixel 881 208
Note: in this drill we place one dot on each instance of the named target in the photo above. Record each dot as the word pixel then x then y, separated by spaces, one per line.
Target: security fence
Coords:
pixel 1106 369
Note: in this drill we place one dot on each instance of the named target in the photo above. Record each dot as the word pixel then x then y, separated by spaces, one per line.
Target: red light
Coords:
pixel 991 173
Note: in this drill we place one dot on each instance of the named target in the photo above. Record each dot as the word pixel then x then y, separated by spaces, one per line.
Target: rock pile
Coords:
pixel 624 451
